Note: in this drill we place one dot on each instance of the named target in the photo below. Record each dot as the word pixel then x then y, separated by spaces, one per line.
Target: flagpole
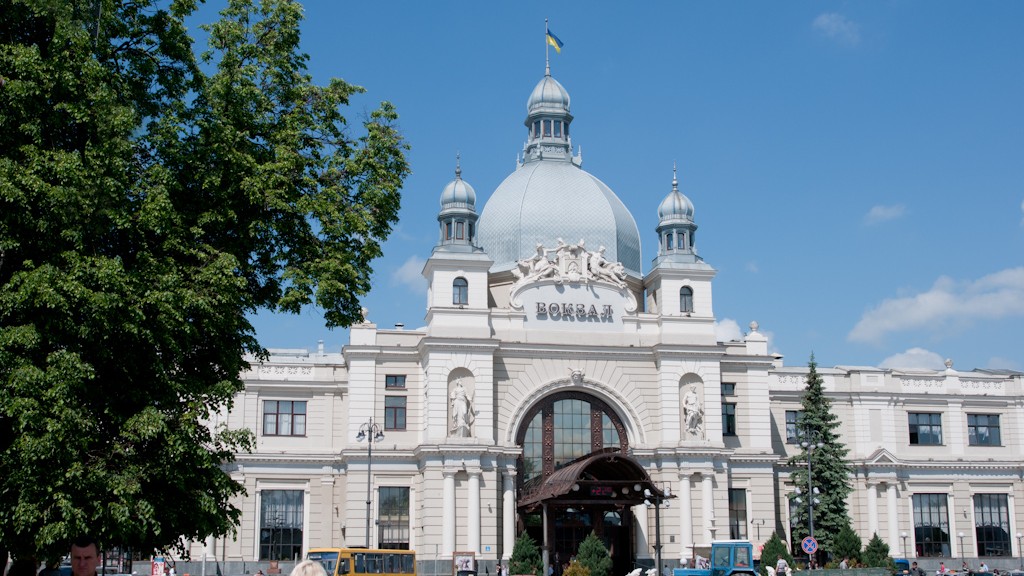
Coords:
pixel 547 56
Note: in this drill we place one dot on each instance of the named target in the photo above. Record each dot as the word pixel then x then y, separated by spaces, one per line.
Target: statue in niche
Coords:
pixel 460 410
pixel 693 412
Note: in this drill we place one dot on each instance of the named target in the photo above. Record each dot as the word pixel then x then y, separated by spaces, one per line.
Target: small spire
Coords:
pixel 675 180
pixel 458 166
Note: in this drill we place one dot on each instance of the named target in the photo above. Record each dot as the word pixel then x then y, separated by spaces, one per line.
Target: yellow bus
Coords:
pixel 343 561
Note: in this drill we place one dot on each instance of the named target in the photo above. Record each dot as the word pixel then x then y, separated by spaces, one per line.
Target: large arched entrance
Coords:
pixel 575 477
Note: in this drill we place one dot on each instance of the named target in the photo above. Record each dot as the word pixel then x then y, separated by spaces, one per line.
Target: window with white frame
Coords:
pixel 281 515
pixel 793 426
pixel 925 428
pixel 983 430
pixel 460 292
pixel 284 418
pixel 931 524
pixel 393 518
pixel 992 524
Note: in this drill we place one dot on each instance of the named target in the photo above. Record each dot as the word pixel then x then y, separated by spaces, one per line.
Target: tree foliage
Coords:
pixel 146 208
pixel 593 556
pixel 773 549
pixel 525 557
pixel 576 569
pixel 846 544
pixel 829 468
pixel 876 554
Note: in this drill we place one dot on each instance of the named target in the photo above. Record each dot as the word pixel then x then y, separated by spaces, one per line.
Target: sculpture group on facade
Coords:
pixel 572 263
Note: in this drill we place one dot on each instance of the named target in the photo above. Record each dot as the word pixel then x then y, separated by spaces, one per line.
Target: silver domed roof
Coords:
pixel 675 206
pixel 549 199
pixel 549 97
pixel 458 193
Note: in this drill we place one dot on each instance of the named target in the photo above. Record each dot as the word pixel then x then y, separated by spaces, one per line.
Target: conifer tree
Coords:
pixel 525 557
pixel 594 556
pixel 772 551
pixel 876 554
pixel 830 473
pixel 846 545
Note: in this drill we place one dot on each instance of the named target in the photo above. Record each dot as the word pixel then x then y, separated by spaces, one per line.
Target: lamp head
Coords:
pixel 361 436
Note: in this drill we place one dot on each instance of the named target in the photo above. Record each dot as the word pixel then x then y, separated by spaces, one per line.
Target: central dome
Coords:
pixel 550 199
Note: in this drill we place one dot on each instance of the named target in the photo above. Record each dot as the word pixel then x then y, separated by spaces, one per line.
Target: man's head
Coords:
pixel 913 565
pixel 85 556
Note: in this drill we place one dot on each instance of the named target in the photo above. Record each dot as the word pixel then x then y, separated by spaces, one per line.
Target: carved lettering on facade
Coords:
pixel 568 311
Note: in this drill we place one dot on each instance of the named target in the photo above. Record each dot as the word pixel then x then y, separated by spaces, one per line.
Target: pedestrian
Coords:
pixel 308 568
pixel 85 556
pixel 844 564
pixel 258 573
pixel 497 570
pixel 983 567
pixel 916 570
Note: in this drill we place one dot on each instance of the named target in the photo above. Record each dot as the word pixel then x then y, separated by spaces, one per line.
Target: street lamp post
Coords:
pixel 371 433
pixel 960 535
pixel 1020 551
pixel 656 500
pixel 904 536
pixel 812 491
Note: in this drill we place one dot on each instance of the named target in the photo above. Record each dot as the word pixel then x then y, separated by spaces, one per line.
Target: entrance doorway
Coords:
pixel 569 527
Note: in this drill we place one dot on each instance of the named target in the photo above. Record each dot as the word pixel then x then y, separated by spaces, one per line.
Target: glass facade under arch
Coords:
pixel 564 427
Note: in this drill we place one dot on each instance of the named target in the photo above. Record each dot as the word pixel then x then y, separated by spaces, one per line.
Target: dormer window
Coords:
pixel 547 128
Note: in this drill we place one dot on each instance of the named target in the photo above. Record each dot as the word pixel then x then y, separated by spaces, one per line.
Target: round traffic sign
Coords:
pixel 809 545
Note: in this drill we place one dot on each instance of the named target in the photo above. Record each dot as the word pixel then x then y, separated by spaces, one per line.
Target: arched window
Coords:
pixel 460 292
pixel 566 426
pixel 686 299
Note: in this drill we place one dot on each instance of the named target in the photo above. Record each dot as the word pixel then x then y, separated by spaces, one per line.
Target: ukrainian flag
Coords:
pixel 554 42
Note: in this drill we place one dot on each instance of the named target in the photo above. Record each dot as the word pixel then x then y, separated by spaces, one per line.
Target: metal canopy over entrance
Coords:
pixel 604 477
pixel 594 493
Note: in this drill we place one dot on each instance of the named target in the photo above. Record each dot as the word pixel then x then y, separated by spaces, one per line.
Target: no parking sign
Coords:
pixel 809 545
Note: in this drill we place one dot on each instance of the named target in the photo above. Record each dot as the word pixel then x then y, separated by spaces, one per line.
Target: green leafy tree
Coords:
pixel 773 549
pixel 593 556
pixel 147 208
pixel 819 436
pixel 846 544
pixel 876 554
pixel 525 557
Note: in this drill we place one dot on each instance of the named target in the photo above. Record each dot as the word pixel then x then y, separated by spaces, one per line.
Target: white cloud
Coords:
pixel 879 214
pixel 914 359
pixel 998 363
pixel 411 274
pixel 727 330
pixel 837 27
pixel 996 296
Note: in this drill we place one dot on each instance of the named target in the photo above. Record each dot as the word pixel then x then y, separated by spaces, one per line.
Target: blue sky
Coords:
pixel 857 168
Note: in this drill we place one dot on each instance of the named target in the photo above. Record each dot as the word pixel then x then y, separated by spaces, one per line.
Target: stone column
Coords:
pixel 642 522
pixel 873 509
pixel 448 515
pixel 895 542
pixel 708 506
pixel 685 518
pixel 508 530
pixel 474 511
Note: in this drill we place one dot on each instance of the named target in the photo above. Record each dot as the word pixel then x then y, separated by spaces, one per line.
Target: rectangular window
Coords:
pixel 793 426
pixel 393 518
pixel 737 513
pixel 281 524
pixel 460 232
pixel 992 524
pixel 925 428
pixel 447 230
pixel 931 524
pixel 983 430
pixel 394 412
pixel 558 129
pixel 728 418
pixel 284 418
pixel 547 127
pixel 394 381
pixel 536 128
pixel 728 389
